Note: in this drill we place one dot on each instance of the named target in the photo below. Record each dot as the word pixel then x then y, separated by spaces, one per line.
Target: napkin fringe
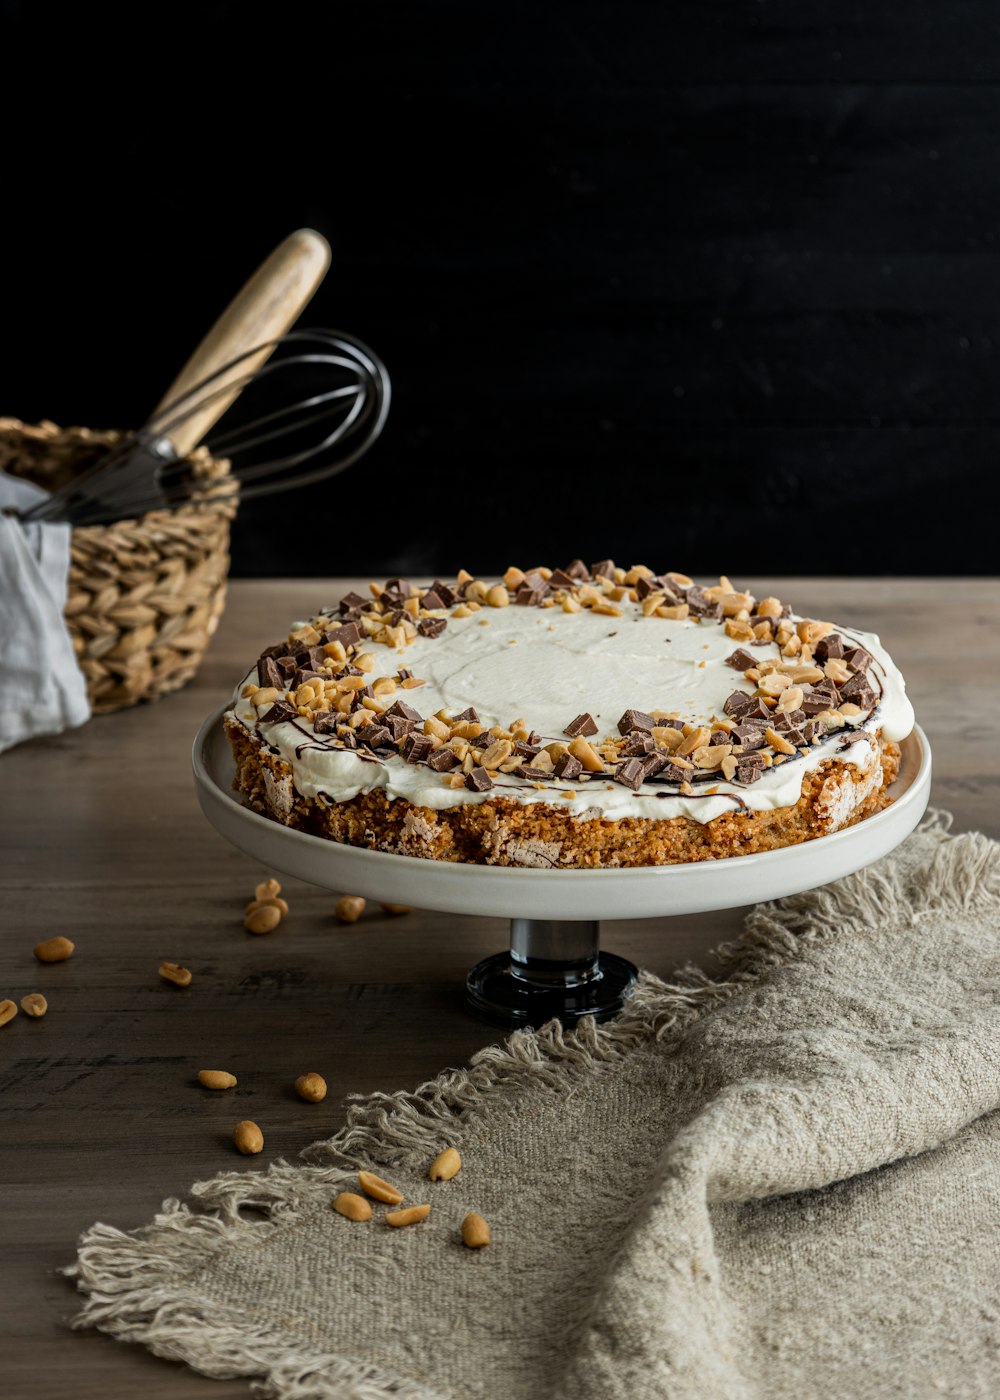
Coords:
pixel 141 1286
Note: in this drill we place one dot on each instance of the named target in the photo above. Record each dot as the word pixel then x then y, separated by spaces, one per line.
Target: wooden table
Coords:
pixel 103 840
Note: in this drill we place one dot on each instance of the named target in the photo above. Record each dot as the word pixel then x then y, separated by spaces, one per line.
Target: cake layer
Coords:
pixel 502 831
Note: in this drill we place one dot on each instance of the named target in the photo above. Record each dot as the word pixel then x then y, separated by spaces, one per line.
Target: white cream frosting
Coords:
pixel 547 666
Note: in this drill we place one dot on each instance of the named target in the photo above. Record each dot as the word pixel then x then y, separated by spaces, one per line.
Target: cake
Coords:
pixel 568 718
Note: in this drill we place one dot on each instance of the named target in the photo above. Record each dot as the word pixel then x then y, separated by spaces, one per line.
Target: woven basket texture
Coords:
pixel 145 595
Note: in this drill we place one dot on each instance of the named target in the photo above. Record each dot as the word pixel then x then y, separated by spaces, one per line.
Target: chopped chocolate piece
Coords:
pixel 326 722
pixel 637 745
pixel 758 713
pixel 526 597
pixel 275 651
pixel 416 747
pixel 858 691
pixel 567 767
pixel 358 697
pixel 829 648
pixel 469 714
pixel 818 698
pixel 278 713
pixel 374 735
pixel 404 711
pixel 306 674
pixel 810 730
pixel 852 738
pixel 526 750
pixel 348 635
pixel 432 626
pixel 675 770
pixel 630 774
pixel 654 763
pixel 347 737
pixel 746 772
pixel 537 583
pixel 559 579
pixel 736 704
pixel 270 673
pixel 315 658
pixel 755 760
pixel 583 724
pixel 858 659
pixel 443 760
pixel 396 725
pixel 448 595
pixel 403 674
pixel 645 586
pixel 478 780
pixel 535 775
pixel 577 570
pixel 287 664
pixel 605 569
pixel 394 618
pixel 400 586
pixel 701 604
pixel 635 719
pixel 750 736
pixel 432 600
pixel 792 736
pixel 351 601
pixel 789 719
pixel 740 660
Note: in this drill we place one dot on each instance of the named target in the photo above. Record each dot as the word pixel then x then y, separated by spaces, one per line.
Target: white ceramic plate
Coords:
pixel 508 892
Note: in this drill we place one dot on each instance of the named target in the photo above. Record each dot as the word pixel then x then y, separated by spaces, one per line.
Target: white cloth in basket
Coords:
pixel 42 689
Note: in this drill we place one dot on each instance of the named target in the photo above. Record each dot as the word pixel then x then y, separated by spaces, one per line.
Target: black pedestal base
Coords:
pixel 506 998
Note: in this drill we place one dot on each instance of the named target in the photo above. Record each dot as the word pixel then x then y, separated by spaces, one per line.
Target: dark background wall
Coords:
pixel 710 285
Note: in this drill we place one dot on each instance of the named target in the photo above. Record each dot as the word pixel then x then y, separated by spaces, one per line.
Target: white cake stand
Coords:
pixel 554 966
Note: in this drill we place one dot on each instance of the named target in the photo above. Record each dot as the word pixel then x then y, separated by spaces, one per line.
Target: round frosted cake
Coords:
pixel 577 717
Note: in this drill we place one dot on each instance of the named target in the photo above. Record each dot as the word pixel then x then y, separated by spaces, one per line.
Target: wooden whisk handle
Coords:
pixel 264 309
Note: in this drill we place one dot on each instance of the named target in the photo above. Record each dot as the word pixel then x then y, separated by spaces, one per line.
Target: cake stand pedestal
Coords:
pixel 554 967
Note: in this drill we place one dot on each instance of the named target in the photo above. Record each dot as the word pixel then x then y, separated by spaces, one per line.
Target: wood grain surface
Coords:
pixel 102 840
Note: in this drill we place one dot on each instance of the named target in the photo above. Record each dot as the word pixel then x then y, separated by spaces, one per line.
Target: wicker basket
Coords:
pixel 145 595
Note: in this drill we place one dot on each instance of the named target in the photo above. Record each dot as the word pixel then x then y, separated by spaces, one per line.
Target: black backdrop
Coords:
pixel 710 285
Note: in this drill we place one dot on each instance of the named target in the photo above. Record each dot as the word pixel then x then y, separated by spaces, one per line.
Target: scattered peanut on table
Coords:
pixel 475 1231
pixel 352 1206
pixel 8 1010
pixel 34 1004
pixel 267 909
pixel 411 1215
pixel 378 1189
pixel 173 972
pixel 248 1138
pixel 261 918
pixel 216 1079
pixel 54 949
pixel 350 908
pixel 311 1087
pixel 445 1165
pixel 397 908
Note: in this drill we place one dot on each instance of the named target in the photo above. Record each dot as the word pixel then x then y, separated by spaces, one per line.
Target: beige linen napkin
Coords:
pixel 776 1185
